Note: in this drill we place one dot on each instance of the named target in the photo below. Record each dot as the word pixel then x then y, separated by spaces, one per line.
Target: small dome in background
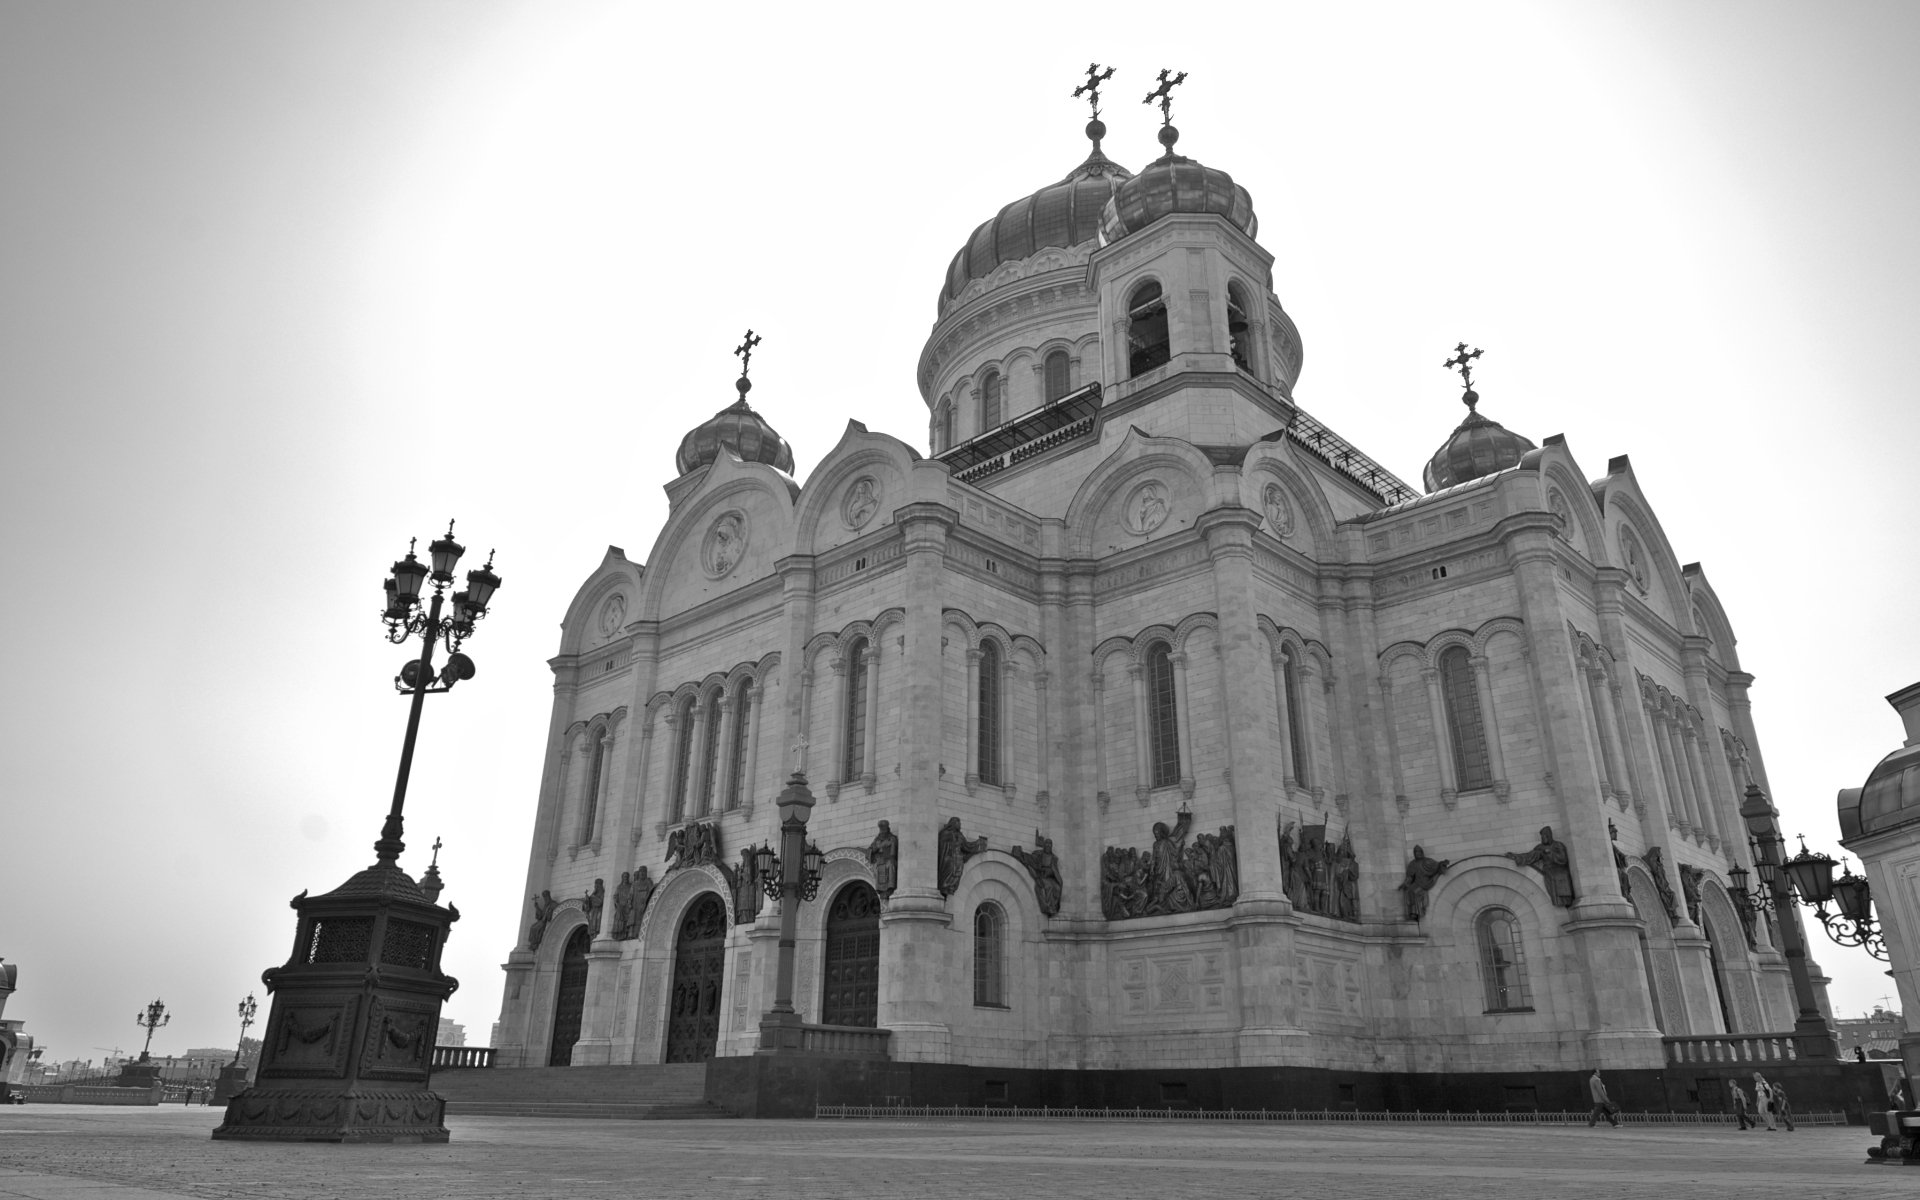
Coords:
pixel 1172 184
pixel 739 429
pixel 1478 447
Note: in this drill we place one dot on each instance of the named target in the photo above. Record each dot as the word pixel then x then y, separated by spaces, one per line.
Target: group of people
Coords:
pixel 1769 1101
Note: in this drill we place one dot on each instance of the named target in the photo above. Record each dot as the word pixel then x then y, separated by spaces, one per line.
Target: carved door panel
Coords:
pixel 570 999
pixel 699 976
pixel 852 992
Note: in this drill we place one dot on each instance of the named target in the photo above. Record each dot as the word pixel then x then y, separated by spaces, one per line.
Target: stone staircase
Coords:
pixel 657 1092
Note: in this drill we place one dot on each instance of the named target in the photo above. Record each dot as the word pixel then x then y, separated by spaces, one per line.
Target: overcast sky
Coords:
pixel 284 285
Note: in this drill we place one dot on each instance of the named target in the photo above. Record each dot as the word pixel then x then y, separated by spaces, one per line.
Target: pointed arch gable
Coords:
pixel 818 525
pixel 1276 460
pixel 758 490
pixel 1136 457
pixel 580 628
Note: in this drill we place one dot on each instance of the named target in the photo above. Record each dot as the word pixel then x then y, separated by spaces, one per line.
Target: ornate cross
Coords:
pixel 436 853
pixel 745 351
pixel 1462 361
pixel 1091 88
pixel 1163 95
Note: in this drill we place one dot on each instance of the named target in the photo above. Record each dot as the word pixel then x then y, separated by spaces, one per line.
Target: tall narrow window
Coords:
pixel 682 758
pixel 1463 720
pixel 710 753
pixel 1296 720
pixel 855 761
pixel 1163 720
pixel 1147 339
pixel 1653 991
pixel 1059 376
pixel 946 425
pixel 1502 966
pixel 989 714
pixel 990 389
pixel 737 753
pixel 1719 978
pixel 1239 328
pixel 590 806
pixel 989 957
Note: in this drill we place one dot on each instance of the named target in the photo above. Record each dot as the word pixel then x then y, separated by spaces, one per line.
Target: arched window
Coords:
pixel 944 420
pixel 710 753
pixel 1147 339
pixel 596 771
pixel 1463 720
pixel 1239 328
pixel 682 757
pixel 1058 375
pixel 990 390
pixel 1653 990
pixel 855 760
pixel 1502 965
pixel 989 714
pixel 989 957
pixel 737 753
pixel 1163 721
pixel 1296 720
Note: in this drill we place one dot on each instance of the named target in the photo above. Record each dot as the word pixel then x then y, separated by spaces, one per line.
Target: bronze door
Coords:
pixel 852 995
pixel 699 971
pixel 571 999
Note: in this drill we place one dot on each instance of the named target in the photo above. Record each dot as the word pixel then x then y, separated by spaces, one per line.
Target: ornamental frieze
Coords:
pixel 1170 876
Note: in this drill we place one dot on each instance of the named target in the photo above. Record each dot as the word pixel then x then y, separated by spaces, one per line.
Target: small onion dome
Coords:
pixel 739 429
pixel 1061 215
pixel 1891 796
pixel 1478 447
pixel 1172 184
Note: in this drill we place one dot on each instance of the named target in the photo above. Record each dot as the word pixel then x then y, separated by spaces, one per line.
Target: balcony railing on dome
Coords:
pixel 1052 424
pixel 1340 454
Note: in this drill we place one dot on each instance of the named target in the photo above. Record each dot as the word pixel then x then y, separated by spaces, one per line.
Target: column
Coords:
pixel 1585 670
pixel 1043 743
pixel 723 758
pixel 1009 780
pixel 795 729
pixel 675 808
pixel 837 767
pixel 1617 773
pixel 1289 774
pixel 1483 684
pixel 804 719
pixel 1143 775
pixel 972 774
pixel 1101 794
pixel 1442 738
pixel 1391 728
pixel 755 694
pixel 640 799
pixel 1183 721
pixel 1677 813
pixel 870 770
pixel 1311 685
pixel 1690 739
pixel 697 760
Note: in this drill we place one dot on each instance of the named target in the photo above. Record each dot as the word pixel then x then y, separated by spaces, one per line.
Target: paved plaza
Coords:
pixel 82 1153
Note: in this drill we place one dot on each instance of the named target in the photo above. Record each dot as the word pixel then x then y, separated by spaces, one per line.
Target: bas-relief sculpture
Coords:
pixel 1170 876
pixel 954 849
pixel 1550 858
pixel 1657 864
pixel 624 923
pixel 1319 876
pixel 1690 878
pixel 543 906
pixel 693 845
pixel 883 855
pixel 1044 865
pixel 1422 873
pixel 743 881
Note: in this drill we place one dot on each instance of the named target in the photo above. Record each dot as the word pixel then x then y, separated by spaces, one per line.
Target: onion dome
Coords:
pixel 1173 184
pixel 1891 797
pixel 739 429
pixel 1478 447
pixel 1061 215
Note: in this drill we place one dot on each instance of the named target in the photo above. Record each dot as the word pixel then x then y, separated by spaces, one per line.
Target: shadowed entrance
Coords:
pixel 699 970
pixel 570 999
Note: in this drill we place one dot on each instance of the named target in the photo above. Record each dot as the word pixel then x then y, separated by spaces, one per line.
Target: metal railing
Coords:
pixel 462 1056
pixel 1003 1112
pixel 1733 1048
pixel 1340 454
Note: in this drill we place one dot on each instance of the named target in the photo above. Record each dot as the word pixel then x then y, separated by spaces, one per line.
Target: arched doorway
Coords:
pixel 699 972
pixel 852 992
pixel 570 999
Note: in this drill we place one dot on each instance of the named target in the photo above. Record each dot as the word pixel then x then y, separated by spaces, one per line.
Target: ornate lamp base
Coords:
pixel 312 1114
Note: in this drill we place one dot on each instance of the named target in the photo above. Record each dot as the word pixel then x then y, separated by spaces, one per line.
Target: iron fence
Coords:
pixel 1006 1112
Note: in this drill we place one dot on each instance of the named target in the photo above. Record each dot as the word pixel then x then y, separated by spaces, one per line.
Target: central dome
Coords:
pixel 1062 214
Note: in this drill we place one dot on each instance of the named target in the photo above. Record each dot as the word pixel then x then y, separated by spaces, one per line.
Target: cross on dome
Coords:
pixel 1163 95
pixel 1462 361
pixel 1091 88
pixel 745 351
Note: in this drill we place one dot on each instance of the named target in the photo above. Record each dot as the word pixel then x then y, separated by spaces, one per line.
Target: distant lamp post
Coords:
pixel 1814 1036
pixel 1811 874
pixel 150 1018
pixel 791 876
pixel 233 1076
pixel 248 1007
pixel 142 1072
pixel 347 1052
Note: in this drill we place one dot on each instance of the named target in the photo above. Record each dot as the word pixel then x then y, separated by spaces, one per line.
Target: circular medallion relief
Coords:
pixel 1279 510
pixel 613 614
pixel 861 502
pixel 726 542
pixel 1147 507
pixel 1633 558
pixel 1558 504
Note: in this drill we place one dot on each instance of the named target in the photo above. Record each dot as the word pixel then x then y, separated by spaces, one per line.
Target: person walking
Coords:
pixel 1742 1107
pixel 1602 1105
pixel 1781 1108
pixel 1763 1100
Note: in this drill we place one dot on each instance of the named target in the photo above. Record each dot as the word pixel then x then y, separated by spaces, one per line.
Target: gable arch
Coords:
pixel 579 629
pixel 1274 462
pixel 729 484
pixel 1663 565
pixel 816 524
pixel 1588 523
pixel 1138 455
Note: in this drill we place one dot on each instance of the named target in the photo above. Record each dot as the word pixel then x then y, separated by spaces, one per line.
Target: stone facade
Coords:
pixel 1175 593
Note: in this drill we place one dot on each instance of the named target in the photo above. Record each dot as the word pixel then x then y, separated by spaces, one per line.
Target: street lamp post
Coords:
pixel 150 1018
pixel 233 1076
pixel 347 1051
pixel 1812 1033
pixel 790 877
pixel 142 1072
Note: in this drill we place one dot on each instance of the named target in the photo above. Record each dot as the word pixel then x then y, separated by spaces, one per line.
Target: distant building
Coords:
pixel 452 1033
pixel 1878 1032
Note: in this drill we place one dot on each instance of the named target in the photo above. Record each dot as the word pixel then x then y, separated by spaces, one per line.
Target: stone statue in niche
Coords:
pixel 593 903
pixel 691 845
pixel 642 892
pixel 1550 858
pixel 744 883
pixel 954 849
pixel 1293 880
pixel 1422 874
pixel 883 855
pixel 1171 876
pixel 1657 865
pixel 1690 878
pixel 620 923
pixel 543 906
pixel 1044 865
pixel 1344 867
pixel 1620 870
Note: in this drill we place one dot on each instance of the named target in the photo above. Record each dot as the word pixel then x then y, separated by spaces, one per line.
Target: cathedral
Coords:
pixel 1152 725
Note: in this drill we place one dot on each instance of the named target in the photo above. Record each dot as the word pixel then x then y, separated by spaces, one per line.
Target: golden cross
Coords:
pixel 745 351
pixel 1163 94
pixel 1462 361
pixel 1091 88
